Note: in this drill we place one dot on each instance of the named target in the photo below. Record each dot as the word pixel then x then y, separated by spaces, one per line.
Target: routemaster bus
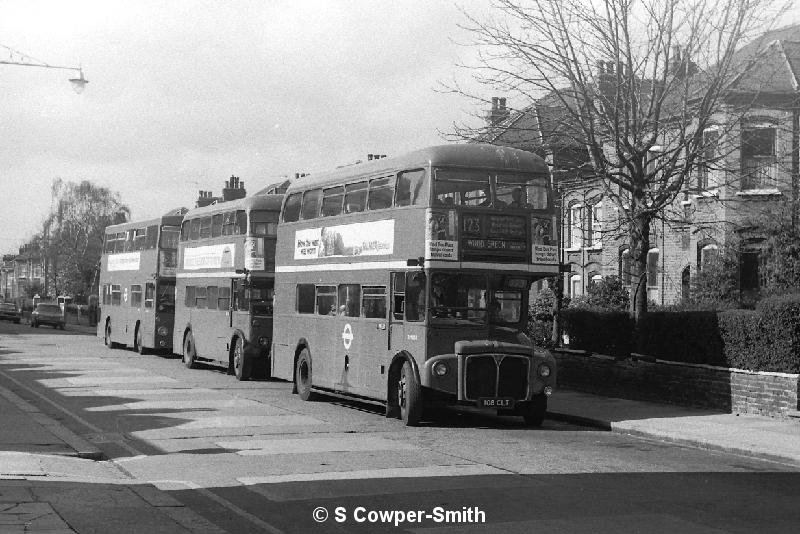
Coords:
pixel 225 284
pixel 405 281
pixel 137 283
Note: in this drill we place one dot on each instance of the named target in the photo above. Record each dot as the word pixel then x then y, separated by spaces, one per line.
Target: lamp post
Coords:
pixel 23 60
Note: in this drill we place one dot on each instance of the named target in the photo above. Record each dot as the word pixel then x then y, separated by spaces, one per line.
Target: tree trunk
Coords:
pixel 639 246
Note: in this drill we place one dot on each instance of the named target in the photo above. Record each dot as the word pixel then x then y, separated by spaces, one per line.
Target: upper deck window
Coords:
pixel 355 197
pixel 263 223
pixel 205 227
pixel 381 191
pixel 291 210
pixel 169 237
pixel 521 191
pixel 332 199
pixel 311 204
pixel 461 188
pixel 409 186
pixel 234 223
pixel 216 225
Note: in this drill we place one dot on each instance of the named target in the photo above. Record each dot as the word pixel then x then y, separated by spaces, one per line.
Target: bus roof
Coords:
pixel 169 219
pixel 472 155
pixel 254 202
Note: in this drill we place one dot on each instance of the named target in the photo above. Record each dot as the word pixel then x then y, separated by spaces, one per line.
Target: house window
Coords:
pixel 709 155
pixel 759 163
pixel 596 218
pixel 575 226
pixel 625 266
pixel 686 276
pixel 575 285
pixel 748 270
pixel 706 256
pixel 652 267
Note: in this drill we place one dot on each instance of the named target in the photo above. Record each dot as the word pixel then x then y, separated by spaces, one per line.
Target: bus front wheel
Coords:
pixel 189 354
pixel 535 411
pixel 302 376
pixel 241 365
pixel 409 396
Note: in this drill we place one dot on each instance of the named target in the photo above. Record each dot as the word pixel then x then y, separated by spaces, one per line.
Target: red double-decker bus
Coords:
pixel 225 284
pixel 405 281
pixel 137 283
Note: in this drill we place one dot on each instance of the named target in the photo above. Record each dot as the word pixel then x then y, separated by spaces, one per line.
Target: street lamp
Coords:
pixel 18 58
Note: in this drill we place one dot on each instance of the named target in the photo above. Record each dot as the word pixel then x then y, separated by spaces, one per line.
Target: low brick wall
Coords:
pixel 697 386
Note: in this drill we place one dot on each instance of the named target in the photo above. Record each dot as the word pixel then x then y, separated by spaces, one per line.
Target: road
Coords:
pixel 252 457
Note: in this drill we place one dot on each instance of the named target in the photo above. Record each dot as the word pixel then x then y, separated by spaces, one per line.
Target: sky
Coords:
pixel 183 94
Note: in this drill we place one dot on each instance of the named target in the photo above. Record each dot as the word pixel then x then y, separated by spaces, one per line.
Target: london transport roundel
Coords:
pixel 347 336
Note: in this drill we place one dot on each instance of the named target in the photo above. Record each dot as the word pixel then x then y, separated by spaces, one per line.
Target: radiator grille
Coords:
pixel 485 377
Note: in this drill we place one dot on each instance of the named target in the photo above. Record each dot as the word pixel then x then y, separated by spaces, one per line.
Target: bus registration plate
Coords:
pixel 496 402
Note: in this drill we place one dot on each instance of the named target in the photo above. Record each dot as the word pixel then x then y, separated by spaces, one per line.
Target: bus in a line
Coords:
pixel 405 281
pixel 225 284
pixel 137 283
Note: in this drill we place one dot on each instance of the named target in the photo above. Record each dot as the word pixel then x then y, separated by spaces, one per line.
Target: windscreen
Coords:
pixel 458 298
pixel 165 300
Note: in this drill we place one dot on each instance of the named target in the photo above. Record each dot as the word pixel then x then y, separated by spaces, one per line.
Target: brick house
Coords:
pixel 19 272
pixel 756 167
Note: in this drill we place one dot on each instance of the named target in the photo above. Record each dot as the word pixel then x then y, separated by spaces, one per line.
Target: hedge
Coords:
pixel 765 339
pixel 682 336
pixel 605 332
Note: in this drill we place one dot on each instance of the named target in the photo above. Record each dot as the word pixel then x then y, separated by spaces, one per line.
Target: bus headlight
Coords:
pixel 263 341
pixel 544 370
pixel 163 330
pixel 440 369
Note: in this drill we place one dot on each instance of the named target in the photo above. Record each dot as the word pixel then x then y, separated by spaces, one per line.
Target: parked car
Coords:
pixel 10 311
pixel 46 313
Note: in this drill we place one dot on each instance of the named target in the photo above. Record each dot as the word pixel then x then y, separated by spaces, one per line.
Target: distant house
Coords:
pixel 756 166
pixel 21 273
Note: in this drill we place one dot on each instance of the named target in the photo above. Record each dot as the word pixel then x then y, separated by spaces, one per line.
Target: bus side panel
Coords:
pixel 284 344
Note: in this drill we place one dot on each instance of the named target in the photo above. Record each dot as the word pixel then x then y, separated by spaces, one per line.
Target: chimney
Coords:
pixel 233 190
pixel 499 112
pixel 205 198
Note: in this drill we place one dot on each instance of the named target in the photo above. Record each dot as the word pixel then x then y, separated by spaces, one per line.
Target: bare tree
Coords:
pixel 73 232
pixel 637 84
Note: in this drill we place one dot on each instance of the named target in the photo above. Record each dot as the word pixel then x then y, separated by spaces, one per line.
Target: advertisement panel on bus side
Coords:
pixel 375 238
pixel 127 261
pixel 209 256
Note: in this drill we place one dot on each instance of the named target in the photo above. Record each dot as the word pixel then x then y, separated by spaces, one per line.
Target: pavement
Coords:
pixel 48 473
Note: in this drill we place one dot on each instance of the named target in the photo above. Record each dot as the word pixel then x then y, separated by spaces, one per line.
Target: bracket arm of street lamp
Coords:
pixel 78 84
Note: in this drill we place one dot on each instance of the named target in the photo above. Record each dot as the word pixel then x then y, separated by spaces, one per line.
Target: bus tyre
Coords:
pixel 409 396
pixel 107 337
pixel 241 365
pixel 138 341
pixel 189 353
pixel 535 411
pixel 302 376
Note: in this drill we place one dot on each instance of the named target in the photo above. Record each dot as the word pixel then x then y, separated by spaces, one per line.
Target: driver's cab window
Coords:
pixel 254 296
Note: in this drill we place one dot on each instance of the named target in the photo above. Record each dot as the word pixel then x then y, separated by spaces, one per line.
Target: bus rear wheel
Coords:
pixel 107 337
pixel 535 411
pixel 409 396
pixel 189 353
pixel 302 376
pixel 241 365
pixel 138 341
